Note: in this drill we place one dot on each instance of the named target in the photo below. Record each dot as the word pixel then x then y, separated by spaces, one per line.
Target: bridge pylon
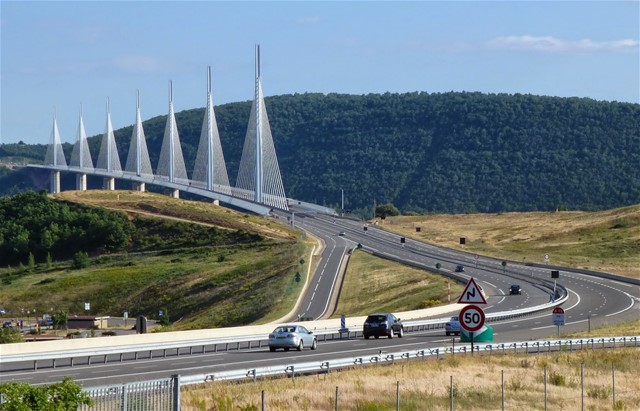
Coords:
pixel 55 157
pixel 81 156
pixel 108 158
pixel 171 164
pixel 210 170
pixel 259 176
pixel 138 161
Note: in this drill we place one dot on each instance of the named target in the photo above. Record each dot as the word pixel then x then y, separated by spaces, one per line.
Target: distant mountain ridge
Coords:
pixel 444 152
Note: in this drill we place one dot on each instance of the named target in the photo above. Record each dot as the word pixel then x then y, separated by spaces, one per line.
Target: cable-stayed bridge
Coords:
pixel 258 187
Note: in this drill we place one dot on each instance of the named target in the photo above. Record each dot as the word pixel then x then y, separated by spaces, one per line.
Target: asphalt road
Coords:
pixel 592 301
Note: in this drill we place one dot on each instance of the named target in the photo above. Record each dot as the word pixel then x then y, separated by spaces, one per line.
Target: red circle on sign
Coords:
pixel 558 310
pixel 471 318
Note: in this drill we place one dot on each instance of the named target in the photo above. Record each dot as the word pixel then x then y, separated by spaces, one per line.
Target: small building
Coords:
pixel 87 322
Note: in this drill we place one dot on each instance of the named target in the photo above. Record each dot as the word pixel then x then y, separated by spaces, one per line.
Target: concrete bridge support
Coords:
pixel 109 183
pixel 81 182
pixel 55 182
pixel 138 186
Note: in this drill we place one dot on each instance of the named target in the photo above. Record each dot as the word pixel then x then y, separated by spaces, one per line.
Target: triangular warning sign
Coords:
pixel 472 294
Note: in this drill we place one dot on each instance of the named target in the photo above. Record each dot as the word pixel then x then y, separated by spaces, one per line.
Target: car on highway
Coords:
pixel 382 325
pixel 459 268
pixel 515 289
pixel 484 294
pixel 292 336
pixel 452 326
pixel 341 233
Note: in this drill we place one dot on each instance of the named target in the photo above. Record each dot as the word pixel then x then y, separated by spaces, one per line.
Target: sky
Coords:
pixel 56 56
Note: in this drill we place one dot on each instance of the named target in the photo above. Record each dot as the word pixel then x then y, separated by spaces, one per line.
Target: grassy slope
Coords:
pixel 200 286
pixel 605 241
pixel 194 211
pixel 374 284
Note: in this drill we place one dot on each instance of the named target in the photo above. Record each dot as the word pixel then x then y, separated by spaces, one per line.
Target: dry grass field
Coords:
pixel 604 241
pixel 425 385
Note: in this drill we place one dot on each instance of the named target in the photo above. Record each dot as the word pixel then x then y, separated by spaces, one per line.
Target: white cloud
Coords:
pixel 137 63
pixel 555 45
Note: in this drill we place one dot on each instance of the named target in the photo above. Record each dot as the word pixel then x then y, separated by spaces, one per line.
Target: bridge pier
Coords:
pixel 109 183
pixel 175 193
pixel 81 182
pixel 138 186
pixel 55 182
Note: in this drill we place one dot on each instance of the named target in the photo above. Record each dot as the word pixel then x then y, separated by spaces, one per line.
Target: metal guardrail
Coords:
pixel 88 356
pixel 527 347
pixel 164 394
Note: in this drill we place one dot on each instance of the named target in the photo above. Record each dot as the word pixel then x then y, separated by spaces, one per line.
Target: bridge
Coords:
pixel 258 188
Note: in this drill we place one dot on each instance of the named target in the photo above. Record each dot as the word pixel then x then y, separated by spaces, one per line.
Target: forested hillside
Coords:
pixel 450 152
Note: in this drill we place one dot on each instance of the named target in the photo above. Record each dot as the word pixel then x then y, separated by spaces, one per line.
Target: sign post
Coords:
pixel 555 274
pixel 558 318
pixel 471 319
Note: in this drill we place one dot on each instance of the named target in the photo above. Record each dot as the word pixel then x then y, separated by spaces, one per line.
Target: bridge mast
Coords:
pixel 258 114
pixel 55 155
pixel 209 128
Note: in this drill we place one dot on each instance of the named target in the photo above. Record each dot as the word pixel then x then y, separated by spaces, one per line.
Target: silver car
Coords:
pixel 292 336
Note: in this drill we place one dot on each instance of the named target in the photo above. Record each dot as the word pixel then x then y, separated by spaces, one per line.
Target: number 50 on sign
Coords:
pixel 472 318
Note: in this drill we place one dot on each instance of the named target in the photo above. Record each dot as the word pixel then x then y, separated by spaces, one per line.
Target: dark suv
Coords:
pixel 515 289
pixel 377 325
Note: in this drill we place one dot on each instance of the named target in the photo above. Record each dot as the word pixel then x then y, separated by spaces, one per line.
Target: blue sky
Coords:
pixel 63 54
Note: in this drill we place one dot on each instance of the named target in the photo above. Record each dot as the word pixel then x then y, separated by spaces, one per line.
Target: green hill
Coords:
pixel 449 152
pixel 142 253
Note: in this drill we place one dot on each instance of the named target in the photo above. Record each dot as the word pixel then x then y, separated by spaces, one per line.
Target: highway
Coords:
pixel 592 301
pixel 598 299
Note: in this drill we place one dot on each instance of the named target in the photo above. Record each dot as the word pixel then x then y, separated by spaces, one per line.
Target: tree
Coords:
pixel 60 318
pixel 385 210
pixel 63 396
pixel 31 261
pixel 80 260
pixel 164 318
pixel 49 260
pixel 9 335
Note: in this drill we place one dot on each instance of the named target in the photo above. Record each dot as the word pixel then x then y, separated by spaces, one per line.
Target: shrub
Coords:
pixel 599 392
pixel 428 304
pixel 557 379
pixel 63 396
pixel 80 260
pixel 10 335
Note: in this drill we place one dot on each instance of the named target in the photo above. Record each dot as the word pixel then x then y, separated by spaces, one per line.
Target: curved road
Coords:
pixel 592 301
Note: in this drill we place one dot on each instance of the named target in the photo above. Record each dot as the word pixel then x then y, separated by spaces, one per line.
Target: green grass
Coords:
pixel 373 284
pixel 193 285
pixel 204 275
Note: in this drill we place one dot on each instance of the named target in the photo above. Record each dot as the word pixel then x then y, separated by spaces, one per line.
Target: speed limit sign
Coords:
pixel 472 318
